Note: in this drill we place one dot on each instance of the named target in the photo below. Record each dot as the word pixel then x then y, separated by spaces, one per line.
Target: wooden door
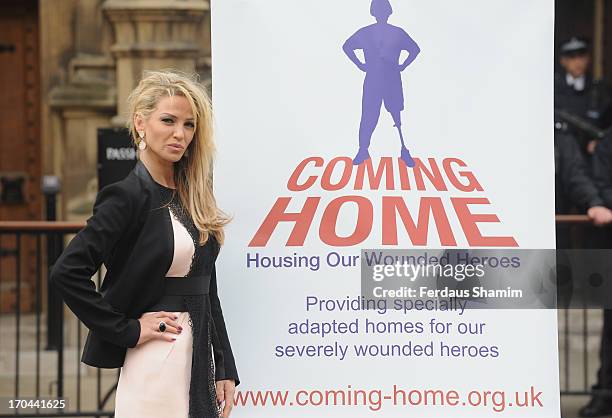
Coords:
pixel 20 159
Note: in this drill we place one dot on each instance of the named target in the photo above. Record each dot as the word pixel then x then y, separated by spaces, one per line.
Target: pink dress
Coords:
pixel 154 379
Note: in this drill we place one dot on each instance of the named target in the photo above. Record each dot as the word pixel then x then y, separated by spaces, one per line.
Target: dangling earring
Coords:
pixel 142 145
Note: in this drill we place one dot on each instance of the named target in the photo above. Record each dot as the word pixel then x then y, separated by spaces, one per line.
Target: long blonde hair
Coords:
pixel 193 172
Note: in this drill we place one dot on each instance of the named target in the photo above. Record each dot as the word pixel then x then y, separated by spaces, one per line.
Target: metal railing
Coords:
pixel 47 373
pixel 582 328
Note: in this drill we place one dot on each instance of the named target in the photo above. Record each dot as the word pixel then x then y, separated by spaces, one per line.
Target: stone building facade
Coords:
pixel 93 53
pixel 66 68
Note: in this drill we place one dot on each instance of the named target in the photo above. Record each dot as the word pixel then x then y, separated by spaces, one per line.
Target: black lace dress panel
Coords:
pixel 202 393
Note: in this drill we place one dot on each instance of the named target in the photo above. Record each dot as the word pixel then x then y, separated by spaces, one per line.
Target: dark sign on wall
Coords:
pixel 116 155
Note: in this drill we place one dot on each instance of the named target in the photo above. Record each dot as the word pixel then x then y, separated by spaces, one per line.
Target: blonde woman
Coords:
pixel 158 232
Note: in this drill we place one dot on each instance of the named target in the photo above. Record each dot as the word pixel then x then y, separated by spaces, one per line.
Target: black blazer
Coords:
pixel 132 235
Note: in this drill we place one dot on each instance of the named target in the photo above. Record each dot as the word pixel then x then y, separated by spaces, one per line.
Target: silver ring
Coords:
pixel 162 326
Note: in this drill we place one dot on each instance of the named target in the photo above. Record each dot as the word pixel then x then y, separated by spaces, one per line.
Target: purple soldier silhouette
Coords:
pixel 382 45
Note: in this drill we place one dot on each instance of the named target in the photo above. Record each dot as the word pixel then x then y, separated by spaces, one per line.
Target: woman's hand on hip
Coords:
pixel 225 396
pixel 149 327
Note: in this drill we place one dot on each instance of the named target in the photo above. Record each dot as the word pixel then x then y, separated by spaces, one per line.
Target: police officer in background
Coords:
pixel 574 188
pixel 601 402
pixel 577 93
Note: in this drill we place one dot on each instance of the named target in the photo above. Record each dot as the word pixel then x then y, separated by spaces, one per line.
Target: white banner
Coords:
pixel 345 125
